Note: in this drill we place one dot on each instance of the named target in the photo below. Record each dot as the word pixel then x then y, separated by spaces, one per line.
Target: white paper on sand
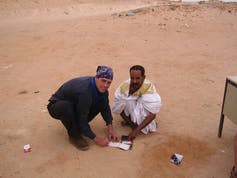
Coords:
pixel 176 158
pixel 120 145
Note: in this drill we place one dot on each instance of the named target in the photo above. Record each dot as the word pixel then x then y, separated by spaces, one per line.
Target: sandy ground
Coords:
pixel 187 50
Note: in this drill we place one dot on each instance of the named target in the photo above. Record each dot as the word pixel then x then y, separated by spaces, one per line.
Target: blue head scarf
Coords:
pixel 104 72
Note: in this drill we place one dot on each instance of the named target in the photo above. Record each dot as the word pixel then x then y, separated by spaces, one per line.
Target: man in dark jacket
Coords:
pixel 78 101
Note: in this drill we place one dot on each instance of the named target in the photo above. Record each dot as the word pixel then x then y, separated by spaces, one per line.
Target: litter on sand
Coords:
pixel 27 148
pixel 176 158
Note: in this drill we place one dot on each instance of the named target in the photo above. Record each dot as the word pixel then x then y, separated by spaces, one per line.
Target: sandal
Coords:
pixel 233 173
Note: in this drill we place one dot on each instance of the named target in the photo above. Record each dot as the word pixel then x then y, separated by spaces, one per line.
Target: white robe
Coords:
pixel 139 104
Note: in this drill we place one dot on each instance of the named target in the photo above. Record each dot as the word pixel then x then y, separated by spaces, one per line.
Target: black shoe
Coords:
pixel 80 143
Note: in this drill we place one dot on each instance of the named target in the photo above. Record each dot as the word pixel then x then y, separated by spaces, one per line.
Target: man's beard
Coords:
pixel 133 88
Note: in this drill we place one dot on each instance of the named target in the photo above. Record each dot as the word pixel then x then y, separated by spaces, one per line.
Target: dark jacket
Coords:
pixel 87 100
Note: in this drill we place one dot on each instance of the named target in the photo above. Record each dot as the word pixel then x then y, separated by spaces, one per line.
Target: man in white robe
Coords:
pixel 138 102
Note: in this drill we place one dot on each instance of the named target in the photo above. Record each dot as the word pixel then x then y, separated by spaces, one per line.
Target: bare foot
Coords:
pixel 124 123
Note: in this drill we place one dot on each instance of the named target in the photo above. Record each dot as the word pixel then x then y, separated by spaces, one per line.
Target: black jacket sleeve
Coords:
pixel 106 113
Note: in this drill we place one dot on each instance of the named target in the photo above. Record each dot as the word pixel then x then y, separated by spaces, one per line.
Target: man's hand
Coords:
pixel 112 135
pixel 149 118
pixel 133 134
pixel 101 141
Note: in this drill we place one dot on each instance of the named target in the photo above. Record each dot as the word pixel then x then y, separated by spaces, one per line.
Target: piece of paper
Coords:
pixel 120 145
pixel 124 144
pixel 176 158
pixel 114 144
pixel 27 148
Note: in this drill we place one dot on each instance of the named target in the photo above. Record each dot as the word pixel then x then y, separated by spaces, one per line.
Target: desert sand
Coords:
pixel 187 49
